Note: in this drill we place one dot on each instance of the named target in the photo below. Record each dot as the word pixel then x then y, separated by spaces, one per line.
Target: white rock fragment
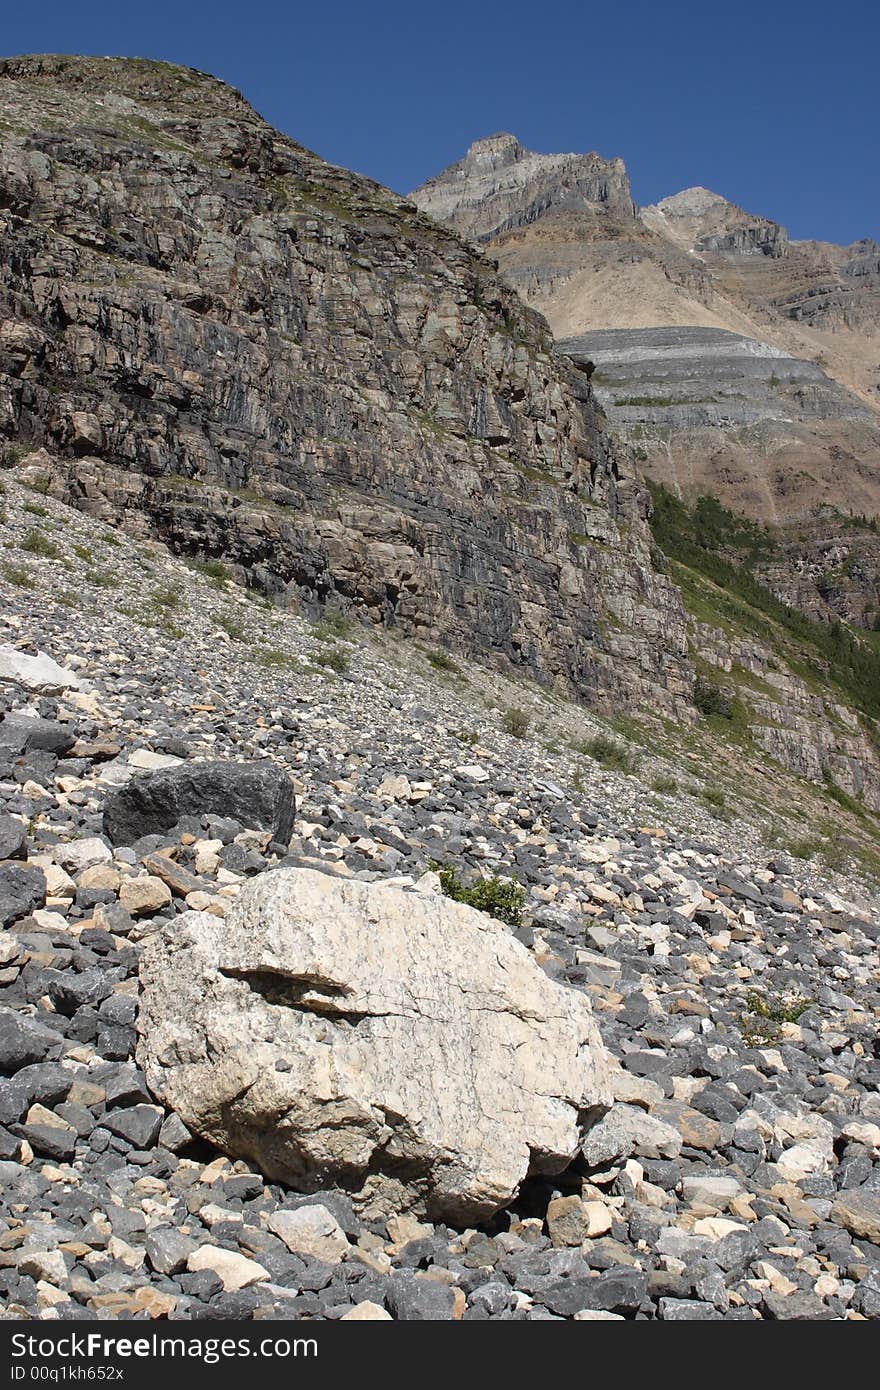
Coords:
pixel 39 674
pixel 412 1031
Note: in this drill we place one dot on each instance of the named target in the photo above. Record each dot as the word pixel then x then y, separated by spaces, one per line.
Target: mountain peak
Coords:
pixel 691 202
pixel 703 221
pixel 495 151
pixel 501 185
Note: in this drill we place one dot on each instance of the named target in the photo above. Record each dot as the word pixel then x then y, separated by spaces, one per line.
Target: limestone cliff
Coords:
pixel 219 340
pixel 713 413
pixel 500 185
pixel 737 364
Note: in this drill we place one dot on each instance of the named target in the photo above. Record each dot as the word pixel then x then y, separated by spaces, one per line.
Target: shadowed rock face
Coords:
pixel 222 341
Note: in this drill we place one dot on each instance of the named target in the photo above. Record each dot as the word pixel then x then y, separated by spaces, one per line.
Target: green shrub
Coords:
pixel 713 798
pixel 258 597
pixel 333 624
pixel 849 803
pixel 712 699
pixel 666 786
pixel 332 658
pixel 779 1010
pixel 503 899
pixel 102 579
pixel 214 570
pixel 271 656
pixel 515 722
pixel 761 1021
pixel 83 553
pixel 441 661
pixel 35 543
pixel 17 575
pixel 165 597
pixel 34 509
pixel 805 848
pixel 608 753
pixel 231 626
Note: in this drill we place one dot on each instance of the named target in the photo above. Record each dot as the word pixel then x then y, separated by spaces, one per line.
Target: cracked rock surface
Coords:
pixel 402 1044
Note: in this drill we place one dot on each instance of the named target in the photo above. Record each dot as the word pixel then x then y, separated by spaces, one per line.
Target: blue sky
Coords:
pixel 773 105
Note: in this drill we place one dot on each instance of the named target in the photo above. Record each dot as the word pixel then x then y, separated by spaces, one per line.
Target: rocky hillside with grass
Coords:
pixel 740 367
pixel 212 337
pixel 247 858
pixel 800 688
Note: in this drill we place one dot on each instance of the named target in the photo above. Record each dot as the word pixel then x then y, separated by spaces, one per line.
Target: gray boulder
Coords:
pixel 23 1041
pixel 13 838
pixel 259 795
pixel 22 888
pixel 22 734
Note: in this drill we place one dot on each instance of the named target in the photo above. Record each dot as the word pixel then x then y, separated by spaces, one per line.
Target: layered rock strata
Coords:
pixel 219 340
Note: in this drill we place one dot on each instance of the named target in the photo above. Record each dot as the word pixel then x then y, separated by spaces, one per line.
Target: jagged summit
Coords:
pixel 500 185
pixel 705 221
pixel 498 150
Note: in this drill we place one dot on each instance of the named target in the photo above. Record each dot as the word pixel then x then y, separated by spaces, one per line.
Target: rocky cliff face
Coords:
pixel 737 364
pixel 215 338
pixel 715 413
pixel 829 568
pixel 812 735
pixel 704 221
pixel 500 185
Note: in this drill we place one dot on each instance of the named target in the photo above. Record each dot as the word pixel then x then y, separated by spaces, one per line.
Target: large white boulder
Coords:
pixel 39 673
pixel 397 1043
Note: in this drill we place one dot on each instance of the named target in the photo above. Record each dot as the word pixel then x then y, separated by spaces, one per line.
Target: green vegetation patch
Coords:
pixel 762 1020
pixel 332 658
pixel 442 661
pixel 501 898
pixel 18 575
pixel 707 542
pixel 515 722
pixel 609 753
pixel 35 543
